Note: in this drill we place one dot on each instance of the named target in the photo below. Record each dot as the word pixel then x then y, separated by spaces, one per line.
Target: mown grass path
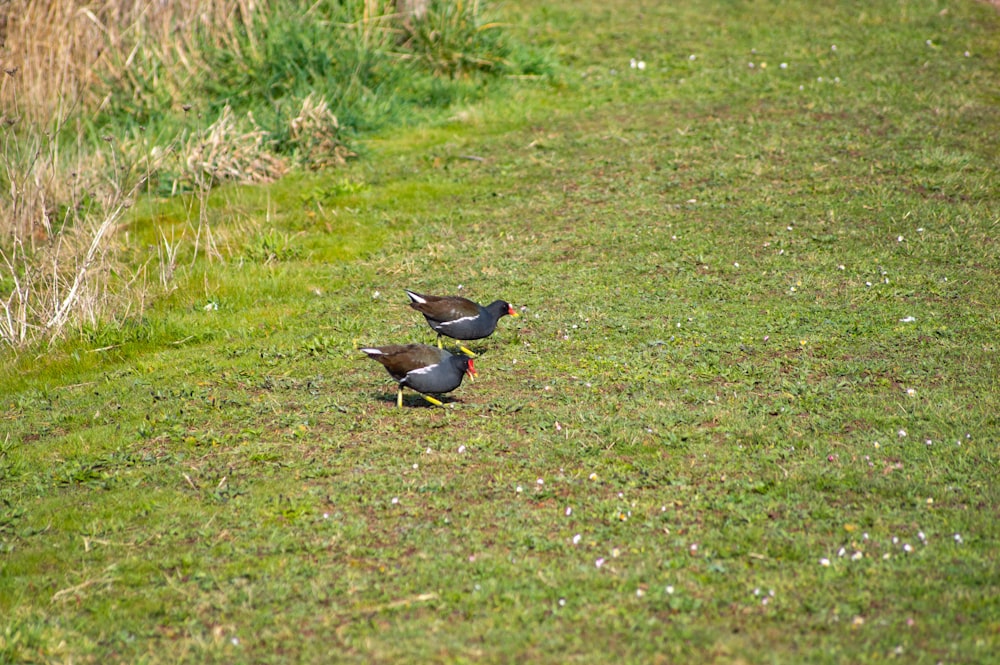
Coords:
pixel 748 414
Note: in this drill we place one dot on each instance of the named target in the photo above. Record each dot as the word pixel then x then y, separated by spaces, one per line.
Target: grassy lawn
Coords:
pixel 748 414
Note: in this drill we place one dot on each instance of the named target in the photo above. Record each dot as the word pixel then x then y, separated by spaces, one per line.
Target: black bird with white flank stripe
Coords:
pixel 460 318
pixel 422 368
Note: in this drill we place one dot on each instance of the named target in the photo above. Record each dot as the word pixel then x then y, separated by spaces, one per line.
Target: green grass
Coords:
pixel 711 377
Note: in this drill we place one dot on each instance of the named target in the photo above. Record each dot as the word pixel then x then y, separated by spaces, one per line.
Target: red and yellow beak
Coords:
pixel 512 311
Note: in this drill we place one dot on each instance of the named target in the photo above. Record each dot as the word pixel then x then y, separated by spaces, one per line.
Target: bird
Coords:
pixel 460 318
pixel 422 368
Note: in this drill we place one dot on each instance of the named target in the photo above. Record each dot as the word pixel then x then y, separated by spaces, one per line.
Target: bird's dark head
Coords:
pixel 503 308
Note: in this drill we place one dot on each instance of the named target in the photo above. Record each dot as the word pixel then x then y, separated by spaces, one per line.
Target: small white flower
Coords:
pixel 593 476
pixel 895 540
pixel 519 489
pixel 922 536
pixel 920 230
pixel 694 57
pixel 558 426
pixel 569 511
pixel 824 562
pixel 669 588
pixel 577 538
pixel 928 442
pixel 841 552
pixel 864 536
pixel 868 283
pixel 901 434
pixel 461 449
pixel 641 65
pixel 428 451
pixel 841 267
pixel 395 500
pixel 911 392
pixel 929 43
pixel 640 593
pixel 632 63
pixel 562 602
pixel 599 562
pixel 907 547
pixel 694 547
pixel 235 641
pixel 326 516
pixel 857 556
pixel 376 295
pixel 540 482
pixel 833 47
pixel 899 239
pixel 415 466
pixel 736 265
pixel 967 54
pixel 958 538
pixel 750 65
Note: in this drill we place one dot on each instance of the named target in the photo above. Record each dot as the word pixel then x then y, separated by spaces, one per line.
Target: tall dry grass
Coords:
pixel 65 51
pixel 64 193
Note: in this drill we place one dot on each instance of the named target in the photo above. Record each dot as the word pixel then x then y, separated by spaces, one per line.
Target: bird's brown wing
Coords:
pixel 446 308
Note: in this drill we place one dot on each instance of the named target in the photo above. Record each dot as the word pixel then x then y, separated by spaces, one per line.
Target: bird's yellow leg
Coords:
pixel 435 402
pixel 471 354
pixel 399 398
pixel 439 341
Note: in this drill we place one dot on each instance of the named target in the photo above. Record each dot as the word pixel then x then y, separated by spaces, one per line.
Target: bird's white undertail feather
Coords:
pixel 415 298
pixel 372 352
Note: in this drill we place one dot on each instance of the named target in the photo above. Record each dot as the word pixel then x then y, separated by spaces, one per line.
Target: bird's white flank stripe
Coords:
pixel 464 318
pixel 415 298
pixel 423 370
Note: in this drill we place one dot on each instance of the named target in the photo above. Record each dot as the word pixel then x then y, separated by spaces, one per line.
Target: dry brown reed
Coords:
pixel 66 50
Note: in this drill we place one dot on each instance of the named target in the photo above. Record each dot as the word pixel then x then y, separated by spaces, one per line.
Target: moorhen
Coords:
pixel 460 318
pixel 422 368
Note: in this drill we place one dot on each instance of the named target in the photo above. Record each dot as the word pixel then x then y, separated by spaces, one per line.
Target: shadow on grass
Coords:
pixel 413 399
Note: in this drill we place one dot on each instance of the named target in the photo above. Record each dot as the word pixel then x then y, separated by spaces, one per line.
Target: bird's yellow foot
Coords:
pixel 435 402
